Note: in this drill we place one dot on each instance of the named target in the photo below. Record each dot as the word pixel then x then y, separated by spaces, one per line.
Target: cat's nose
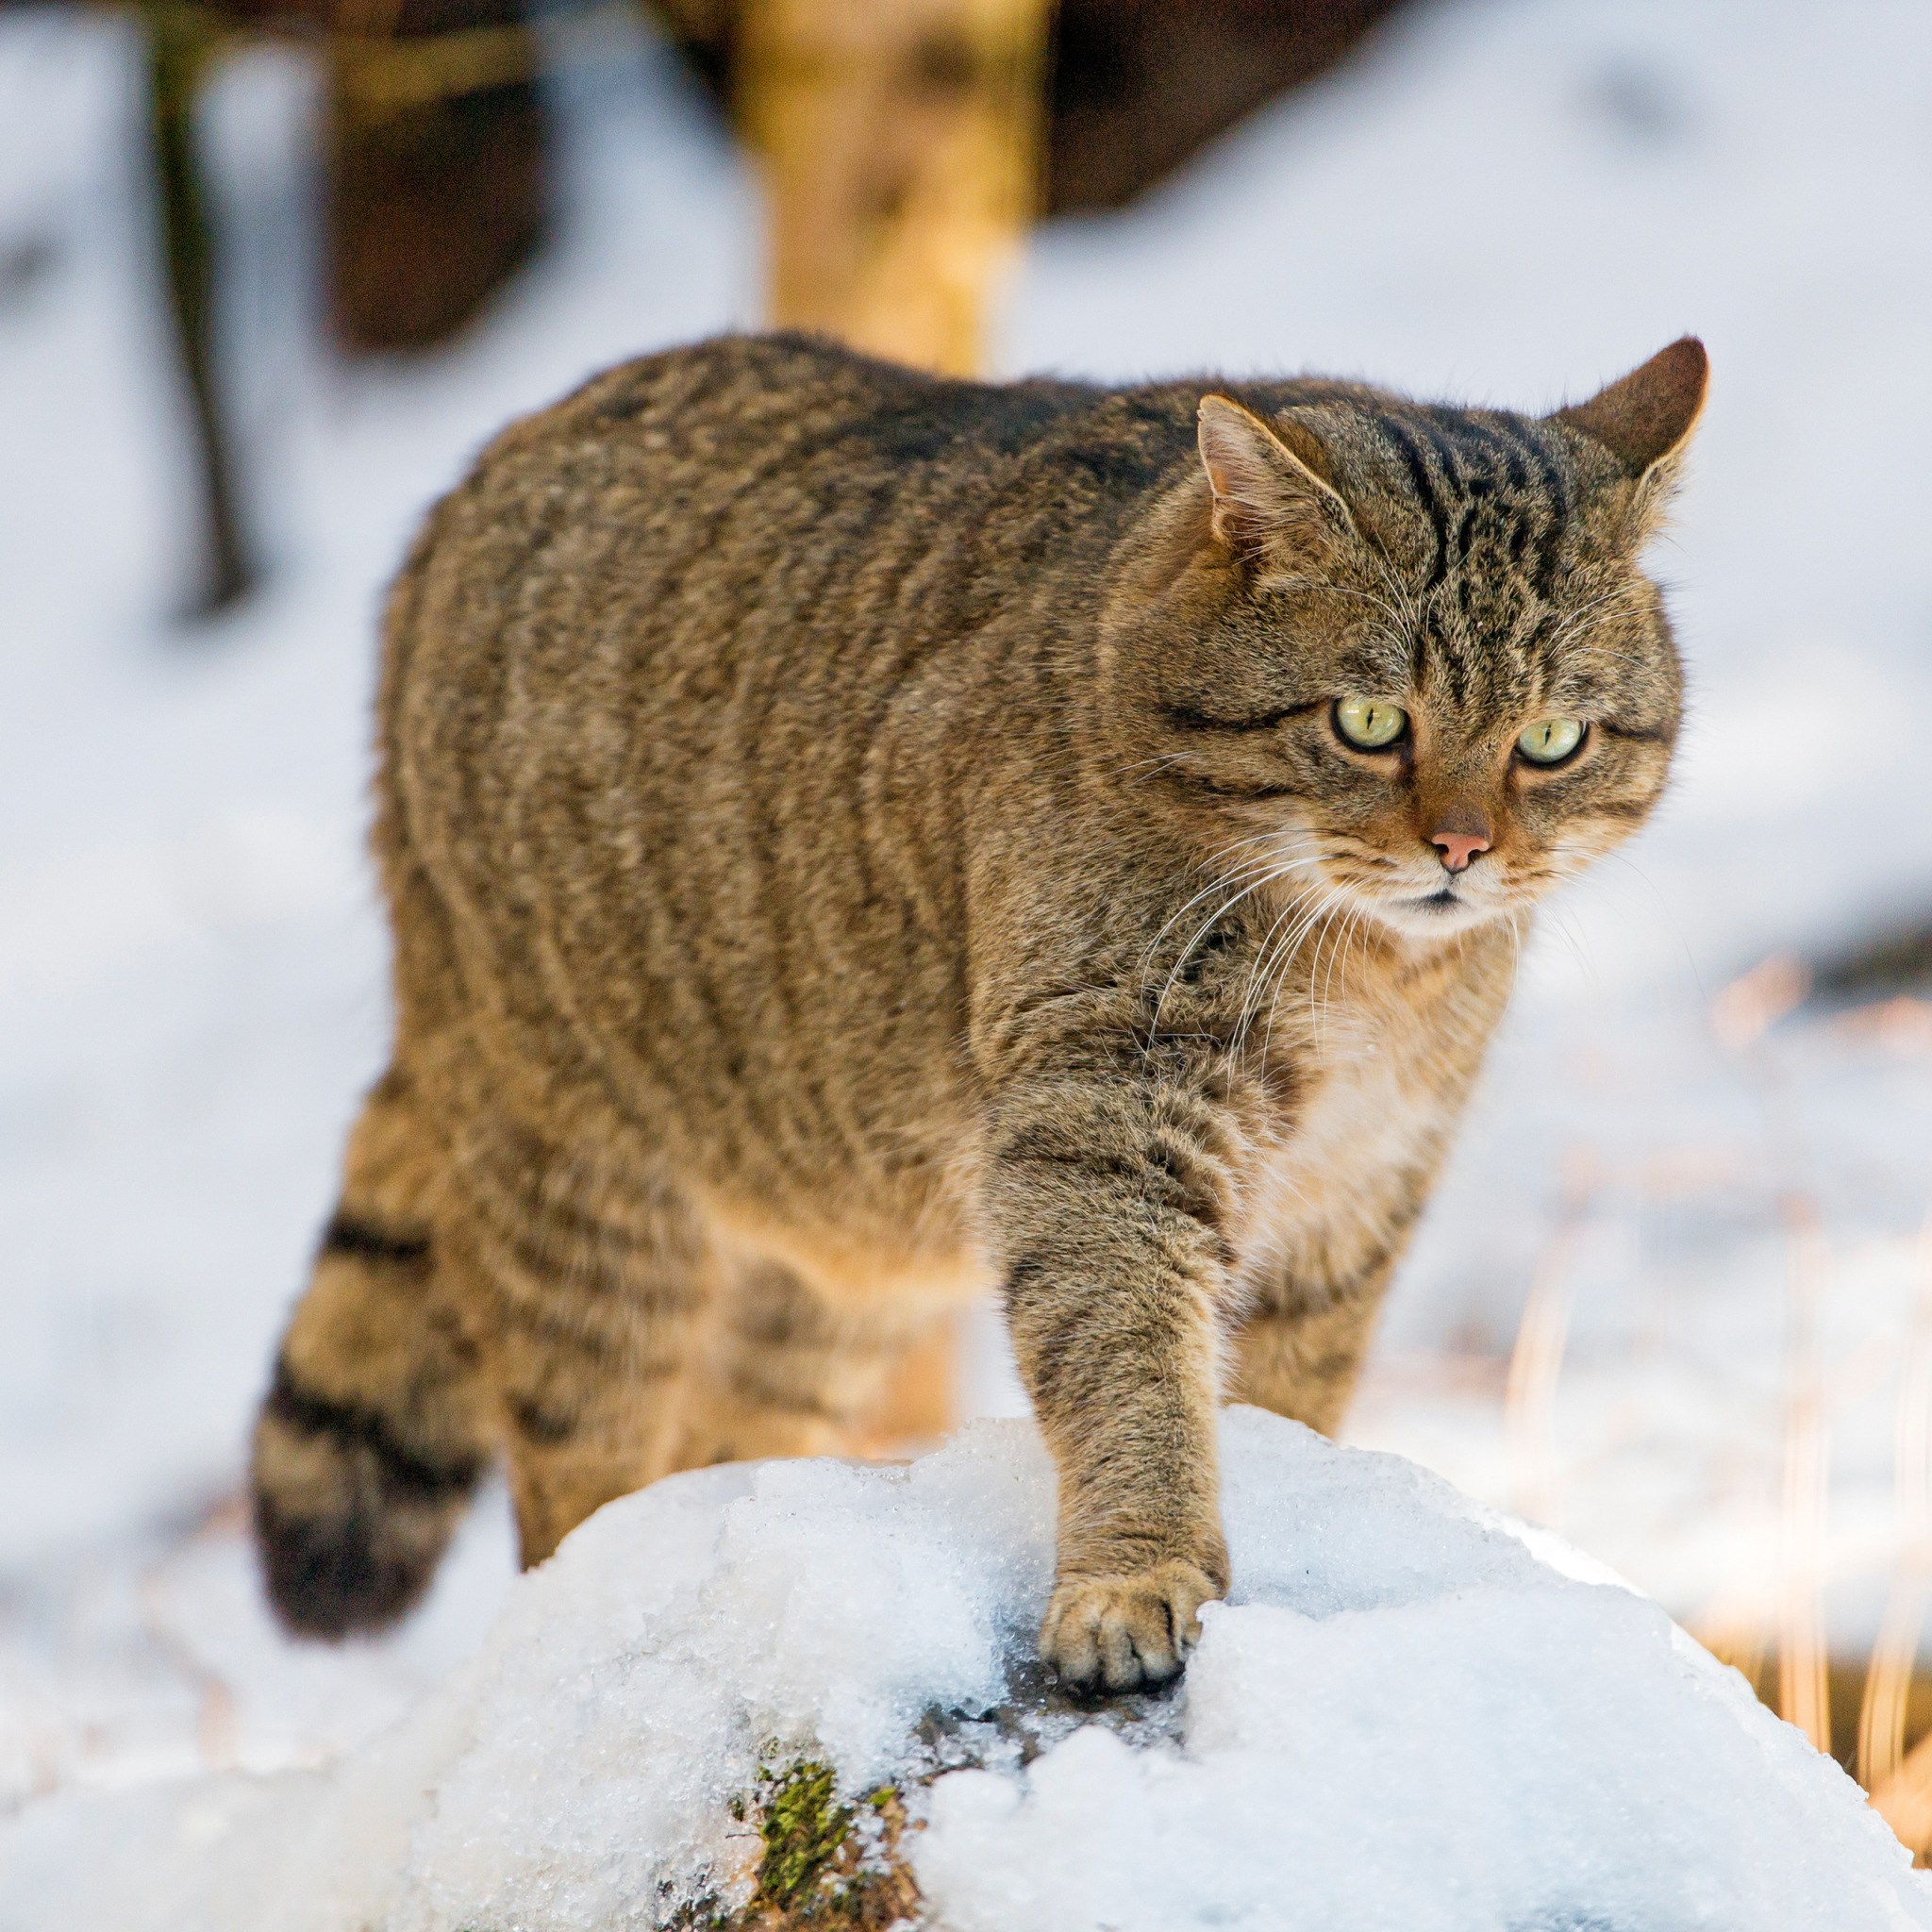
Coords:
pixel 1459 847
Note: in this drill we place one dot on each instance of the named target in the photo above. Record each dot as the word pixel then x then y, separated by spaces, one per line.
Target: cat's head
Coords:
pixel 1412 660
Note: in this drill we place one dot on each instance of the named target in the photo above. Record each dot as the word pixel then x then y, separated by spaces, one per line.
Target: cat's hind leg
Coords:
pixel 377 1426
pixel 596 1273
pixel 791 1369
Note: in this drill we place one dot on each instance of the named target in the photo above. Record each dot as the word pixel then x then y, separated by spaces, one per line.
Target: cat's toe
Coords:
pixel 1123 1633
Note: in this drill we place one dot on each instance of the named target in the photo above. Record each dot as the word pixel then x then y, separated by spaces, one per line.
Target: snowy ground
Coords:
pixel 1401 1721
pixel 1715 1227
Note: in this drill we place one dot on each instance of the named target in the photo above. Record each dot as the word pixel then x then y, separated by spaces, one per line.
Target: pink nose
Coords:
pixel 1458 848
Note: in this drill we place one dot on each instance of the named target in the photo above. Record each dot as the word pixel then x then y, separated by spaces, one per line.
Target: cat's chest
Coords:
pixel 1377 1100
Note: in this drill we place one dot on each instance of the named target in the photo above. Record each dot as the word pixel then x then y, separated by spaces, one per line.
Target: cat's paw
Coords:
pixel 1125 1632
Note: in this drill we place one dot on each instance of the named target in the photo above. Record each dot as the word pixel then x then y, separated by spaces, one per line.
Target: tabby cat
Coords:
pixel 856 840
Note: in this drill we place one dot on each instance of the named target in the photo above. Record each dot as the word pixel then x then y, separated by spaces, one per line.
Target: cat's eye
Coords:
pixel 1550 741
pixel 1369 724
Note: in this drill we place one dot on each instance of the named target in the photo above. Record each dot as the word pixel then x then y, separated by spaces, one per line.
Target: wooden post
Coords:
pixel 900 141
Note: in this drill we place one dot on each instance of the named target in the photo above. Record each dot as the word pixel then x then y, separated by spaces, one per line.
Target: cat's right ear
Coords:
pixel 1646 420
pixel 1268 498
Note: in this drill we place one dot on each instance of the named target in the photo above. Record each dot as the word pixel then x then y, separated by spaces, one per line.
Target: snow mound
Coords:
pixel 1410 1715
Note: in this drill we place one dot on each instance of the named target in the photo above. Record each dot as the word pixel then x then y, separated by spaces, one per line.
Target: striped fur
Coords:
pixel 855 841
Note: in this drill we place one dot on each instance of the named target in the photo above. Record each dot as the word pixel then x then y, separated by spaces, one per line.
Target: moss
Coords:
pixel 803 1825
pixel 827 1866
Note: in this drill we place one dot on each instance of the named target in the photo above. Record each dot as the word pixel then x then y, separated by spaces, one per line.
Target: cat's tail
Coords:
pixel 375 1428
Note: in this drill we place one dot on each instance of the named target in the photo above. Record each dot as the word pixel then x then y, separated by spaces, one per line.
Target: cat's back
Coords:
pixel 692 525
pixel 714 445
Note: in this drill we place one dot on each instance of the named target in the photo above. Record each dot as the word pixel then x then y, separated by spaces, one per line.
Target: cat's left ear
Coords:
pixel 1271 497
pixel 1646 420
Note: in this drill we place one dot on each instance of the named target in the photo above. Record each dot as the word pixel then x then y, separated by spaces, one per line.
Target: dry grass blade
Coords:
pixel 1804 1680
pixel 1889 1682
pixel 1904 1800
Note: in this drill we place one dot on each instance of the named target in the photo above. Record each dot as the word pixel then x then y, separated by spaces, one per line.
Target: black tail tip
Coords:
pixel 341 1576
pixel 350 1520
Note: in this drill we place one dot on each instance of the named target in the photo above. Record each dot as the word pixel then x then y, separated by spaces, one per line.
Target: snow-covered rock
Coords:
pixel 1410 1716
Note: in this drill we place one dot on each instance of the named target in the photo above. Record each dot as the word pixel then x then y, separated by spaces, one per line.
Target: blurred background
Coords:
pixel 271 270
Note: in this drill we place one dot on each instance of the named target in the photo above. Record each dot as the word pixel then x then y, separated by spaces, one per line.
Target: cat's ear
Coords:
pixel 1271 489
pixel 1645 420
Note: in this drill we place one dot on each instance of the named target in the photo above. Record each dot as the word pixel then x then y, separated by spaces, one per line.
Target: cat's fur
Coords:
pixel 856 840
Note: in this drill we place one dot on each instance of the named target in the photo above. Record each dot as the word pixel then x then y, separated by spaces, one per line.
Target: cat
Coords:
pixel 855 841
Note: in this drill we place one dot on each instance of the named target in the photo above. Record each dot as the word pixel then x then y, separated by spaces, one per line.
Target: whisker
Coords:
pixel 1213 885
pixel 1155 763
pixel 1268 875
pixel 1336 958
pixel 1257 974
pixel 1277 967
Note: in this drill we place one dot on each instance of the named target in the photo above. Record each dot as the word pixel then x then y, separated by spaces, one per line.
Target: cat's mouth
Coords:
pixel 1448 909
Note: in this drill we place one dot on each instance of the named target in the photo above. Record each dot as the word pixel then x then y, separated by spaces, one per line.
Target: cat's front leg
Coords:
pixel 1107 1200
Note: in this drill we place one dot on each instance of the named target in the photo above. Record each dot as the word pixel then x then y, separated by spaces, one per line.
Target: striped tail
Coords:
pixel 374 1431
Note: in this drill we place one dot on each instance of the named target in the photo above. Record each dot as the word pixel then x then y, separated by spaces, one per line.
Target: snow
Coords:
pixel 1402 1718
pixel 1502 199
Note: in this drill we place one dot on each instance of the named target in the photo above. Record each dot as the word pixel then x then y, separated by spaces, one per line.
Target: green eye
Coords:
pixel 1550 741
pixel 1370 723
